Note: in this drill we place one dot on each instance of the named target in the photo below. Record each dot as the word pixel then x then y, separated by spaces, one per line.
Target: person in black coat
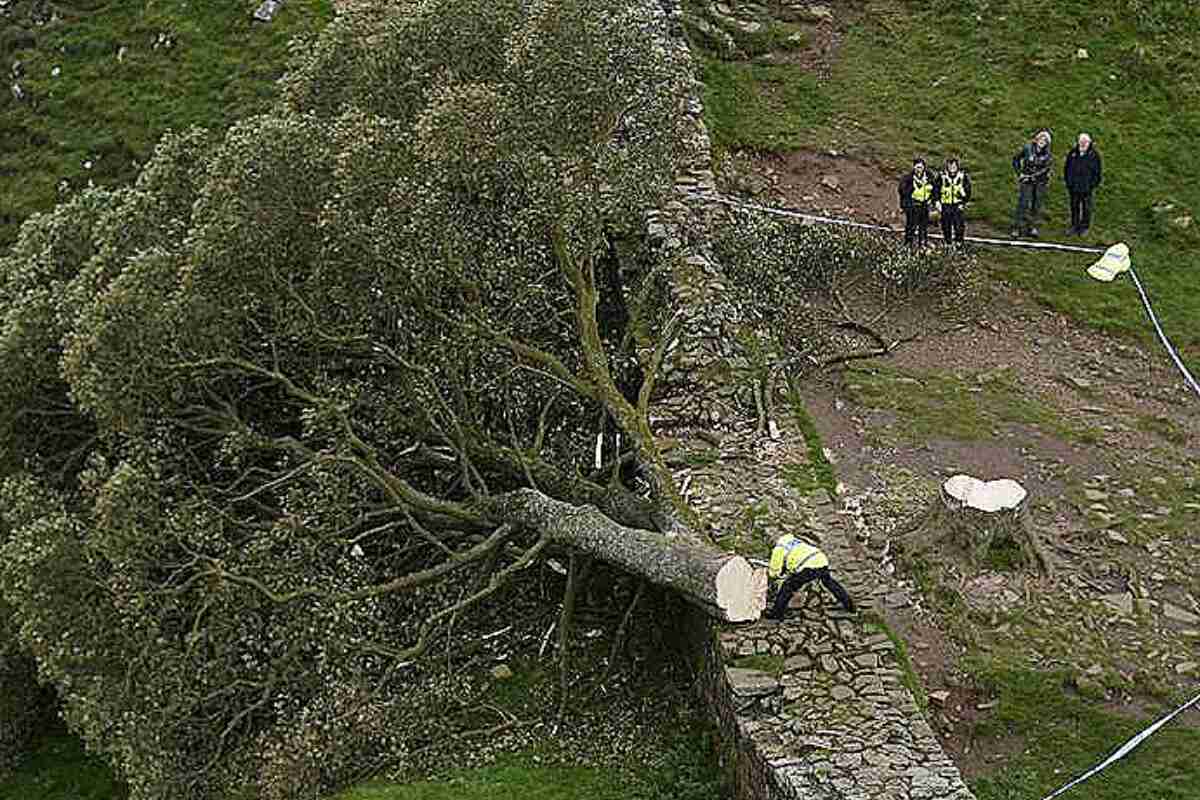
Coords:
pixel 954 192
pixel 1032 165
pixel 1082 175
pixel 916 195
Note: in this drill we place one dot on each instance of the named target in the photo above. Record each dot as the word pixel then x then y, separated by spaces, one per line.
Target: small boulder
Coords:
pixel 750 682
pixel 821 12
pixel 1121 601
pixel 502 672
pixel 1081 54
pixel 1174 612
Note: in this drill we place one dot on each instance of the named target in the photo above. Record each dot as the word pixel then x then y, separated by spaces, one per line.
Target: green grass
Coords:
pixel 818 472
pixel 1164 427
pixel 221 67
pixel 687 771
pixel 976 78
pixel 967 407
pixel 761 106
pixel 772 665
pixel 59 769
pixel 1062 736
pixel 873 623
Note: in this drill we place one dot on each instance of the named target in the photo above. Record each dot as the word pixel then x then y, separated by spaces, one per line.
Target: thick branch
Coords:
pixel 722 584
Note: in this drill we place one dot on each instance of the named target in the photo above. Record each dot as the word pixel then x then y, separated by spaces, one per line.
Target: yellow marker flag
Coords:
pixel 1114 261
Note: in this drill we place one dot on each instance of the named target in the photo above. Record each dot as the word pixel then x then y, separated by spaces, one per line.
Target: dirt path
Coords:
pixel 1104 435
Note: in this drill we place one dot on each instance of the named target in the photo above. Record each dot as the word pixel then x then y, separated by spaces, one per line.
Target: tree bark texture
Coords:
pixel 977 514
pixel 724 585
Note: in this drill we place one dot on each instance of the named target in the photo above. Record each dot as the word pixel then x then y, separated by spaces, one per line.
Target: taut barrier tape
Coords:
pixel 1124 749
pixel 1066 248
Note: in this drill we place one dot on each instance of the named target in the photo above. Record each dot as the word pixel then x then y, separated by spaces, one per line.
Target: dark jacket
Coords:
pixel 906 188
pixel 1082 172
pixel 1033 164
pixel 945 176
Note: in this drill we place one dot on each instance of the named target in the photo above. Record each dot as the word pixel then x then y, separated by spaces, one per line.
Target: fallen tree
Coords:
pixel 306 400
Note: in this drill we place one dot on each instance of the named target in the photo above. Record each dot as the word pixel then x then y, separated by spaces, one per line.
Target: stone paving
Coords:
pixel 837 721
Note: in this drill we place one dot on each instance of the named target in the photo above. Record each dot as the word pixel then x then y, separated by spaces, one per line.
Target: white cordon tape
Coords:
pixel 1068 248
pixel 1125 748
pixel 1162 337
pixel 782 212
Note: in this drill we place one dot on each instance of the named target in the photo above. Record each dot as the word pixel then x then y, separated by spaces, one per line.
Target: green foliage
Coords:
pixel 261 409
pixel 787 283
pixel 1063 735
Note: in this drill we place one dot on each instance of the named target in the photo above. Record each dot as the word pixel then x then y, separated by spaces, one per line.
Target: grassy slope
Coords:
pixel 221 67
pixel 1006 74
pixel 1064 736
pixel 999 77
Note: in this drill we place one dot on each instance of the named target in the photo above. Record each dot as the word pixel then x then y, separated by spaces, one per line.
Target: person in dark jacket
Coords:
pixel 1082 175
pixel 916 195
pixel 953 192
pixel 1032 165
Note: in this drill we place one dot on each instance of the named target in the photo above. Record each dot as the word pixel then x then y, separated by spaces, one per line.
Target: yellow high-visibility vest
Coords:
pixel 790 555
pixel 922 189
pixel 953 190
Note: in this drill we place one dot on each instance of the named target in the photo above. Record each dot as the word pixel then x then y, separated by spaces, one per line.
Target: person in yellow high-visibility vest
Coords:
pixel 797 562
pixel 916 196
pixel 954 192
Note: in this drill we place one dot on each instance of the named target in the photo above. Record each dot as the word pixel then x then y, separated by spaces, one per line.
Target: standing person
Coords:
pixel 954 192
pixel 798 563
pixel 916 194
pixel 1081 172
pixel 1032 165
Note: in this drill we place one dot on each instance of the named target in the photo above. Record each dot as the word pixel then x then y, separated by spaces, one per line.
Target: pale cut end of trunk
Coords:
pixel 741 590
pixel 988 496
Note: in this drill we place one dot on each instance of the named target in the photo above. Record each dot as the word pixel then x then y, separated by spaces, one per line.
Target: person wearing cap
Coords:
pixel 953 192
pixel 1081 173
pixel 916 195
pixel 1032 165
pixel 797 563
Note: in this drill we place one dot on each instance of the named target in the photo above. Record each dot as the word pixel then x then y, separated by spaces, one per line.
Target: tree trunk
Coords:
pixel 722 584
pixel 978 513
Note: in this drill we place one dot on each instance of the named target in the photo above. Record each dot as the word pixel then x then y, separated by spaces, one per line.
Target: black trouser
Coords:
pixel 1029 204
pixel 1081 211
pixel 792 583
pixel 916 221
pixel 954 226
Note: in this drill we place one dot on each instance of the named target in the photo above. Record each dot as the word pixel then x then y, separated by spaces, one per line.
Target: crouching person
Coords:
pixel 797 563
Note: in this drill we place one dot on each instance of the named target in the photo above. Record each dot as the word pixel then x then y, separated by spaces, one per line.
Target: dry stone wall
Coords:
pixel 831 717
pixel 695 385
pixel 815 706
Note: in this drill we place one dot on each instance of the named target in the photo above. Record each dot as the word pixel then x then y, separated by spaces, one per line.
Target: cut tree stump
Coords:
pixel 975 514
